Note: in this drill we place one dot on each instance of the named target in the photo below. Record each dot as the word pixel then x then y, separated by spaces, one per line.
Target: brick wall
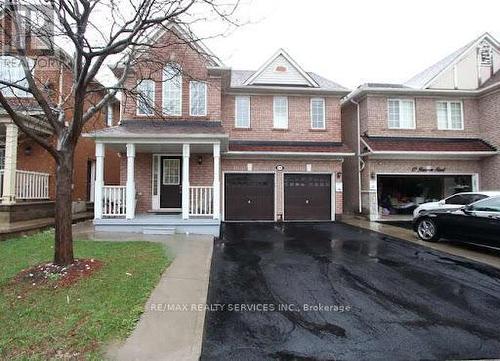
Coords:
pixel 489 106
pixel 327 166
pixel 299 120
pixel 350 166
pixel 194 67
pixel 376 122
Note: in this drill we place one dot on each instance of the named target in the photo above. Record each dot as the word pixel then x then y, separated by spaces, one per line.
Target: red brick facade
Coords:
pixel 299 120
pixel 489 106
pixel 374 118
pixel 193 67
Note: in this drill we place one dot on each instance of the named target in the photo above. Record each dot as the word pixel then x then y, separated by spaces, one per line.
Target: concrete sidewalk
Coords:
pixel 163 333
pixel 409 235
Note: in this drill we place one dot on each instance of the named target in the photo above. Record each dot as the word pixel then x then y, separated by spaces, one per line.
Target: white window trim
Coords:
pixel 153 100
pixel 206 98
pixel 236 112
pixel 274 112
pixel 109 111
pixel 20 94
pixel 414 114
pixel 448 114
pixel 324 113
pixel 163 96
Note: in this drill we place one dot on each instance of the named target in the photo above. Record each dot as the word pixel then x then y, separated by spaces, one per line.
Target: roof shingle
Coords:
pixel 405 144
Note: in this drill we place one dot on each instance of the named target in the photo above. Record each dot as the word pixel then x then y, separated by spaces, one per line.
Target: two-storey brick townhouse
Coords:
pixel 429 138
pixel 220 144
pixel 27 171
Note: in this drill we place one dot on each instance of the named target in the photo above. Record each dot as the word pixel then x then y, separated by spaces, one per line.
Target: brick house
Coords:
pixel 205 143
pixel 27 171
pixel 431 137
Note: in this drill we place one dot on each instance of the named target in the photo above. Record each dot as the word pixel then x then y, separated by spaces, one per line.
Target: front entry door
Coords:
pixel 171 182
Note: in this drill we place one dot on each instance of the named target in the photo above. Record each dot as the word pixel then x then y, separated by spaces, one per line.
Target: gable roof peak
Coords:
pixel 424 78
pixel 282 60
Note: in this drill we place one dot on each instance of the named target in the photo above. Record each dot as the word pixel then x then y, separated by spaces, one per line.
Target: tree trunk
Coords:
pixel 63 252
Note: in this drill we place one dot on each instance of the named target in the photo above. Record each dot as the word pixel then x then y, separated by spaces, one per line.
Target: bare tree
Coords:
pixel 81 37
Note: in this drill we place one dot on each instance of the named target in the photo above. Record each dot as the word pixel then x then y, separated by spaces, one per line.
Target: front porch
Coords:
pixel 166 188
pixel 159 224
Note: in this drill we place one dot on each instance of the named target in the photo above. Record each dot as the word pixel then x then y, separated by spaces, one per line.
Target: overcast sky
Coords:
pixel 353 42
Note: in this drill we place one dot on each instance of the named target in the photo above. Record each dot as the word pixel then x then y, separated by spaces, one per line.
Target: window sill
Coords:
pixel 244 129
pixel 318 129
pixel 280 129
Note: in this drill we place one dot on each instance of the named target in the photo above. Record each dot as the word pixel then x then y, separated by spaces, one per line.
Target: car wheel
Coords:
pixel 427 230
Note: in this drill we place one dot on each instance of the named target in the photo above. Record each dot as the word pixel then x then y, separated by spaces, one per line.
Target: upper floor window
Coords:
pixel 12 71
pixel 145 97
pixel 318 113
pixel 401 113
pixel 109 115
pixel 450 115
pixel 280 112
pixel 172 90
pixel 198 98
pixel 242 112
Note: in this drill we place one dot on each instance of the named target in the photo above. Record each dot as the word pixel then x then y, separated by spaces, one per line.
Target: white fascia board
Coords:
pixel 291 154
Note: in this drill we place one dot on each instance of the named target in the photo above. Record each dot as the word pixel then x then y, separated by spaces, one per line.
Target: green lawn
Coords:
pixel 102 308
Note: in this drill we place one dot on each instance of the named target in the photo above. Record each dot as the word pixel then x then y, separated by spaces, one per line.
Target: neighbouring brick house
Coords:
pixel 433 136
pixel 27 171
pixel 202 143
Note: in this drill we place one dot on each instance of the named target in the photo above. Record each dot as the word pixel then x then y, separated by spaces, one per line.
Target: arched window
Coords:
pixel 172 90
pixel 12 71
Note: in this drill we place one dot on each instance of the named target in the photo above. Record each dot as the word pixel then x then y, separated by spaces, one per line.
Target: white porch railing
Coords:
pixel 29 185
pixel 201 202
pixel 114 201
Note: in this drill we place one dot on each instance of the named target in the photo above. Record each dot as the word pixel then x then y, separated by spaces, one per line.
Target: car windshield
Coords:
pixel 464 199
pixel 487 205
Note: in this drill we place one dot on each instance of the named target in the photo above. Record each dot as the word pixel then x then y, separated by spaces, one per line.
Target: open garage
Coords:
pixel 400 194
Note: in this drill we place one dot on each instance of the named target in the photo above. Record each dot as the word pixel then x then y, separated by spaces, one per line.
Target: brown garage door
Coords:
pixel 308 197
pixel 249 197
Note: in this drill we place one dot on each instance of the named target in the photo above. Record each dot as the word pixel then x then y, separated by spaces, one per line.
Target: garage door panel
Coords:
pixel 307 196
pixel 249 197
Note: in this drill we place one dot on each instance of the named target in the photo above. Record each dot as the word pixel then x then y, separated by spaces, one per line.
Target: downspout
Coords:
pixel 358 126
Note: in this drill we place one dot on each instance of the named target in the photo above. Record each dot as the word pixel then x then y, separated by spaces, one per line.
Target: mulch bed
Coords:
pixel 58 276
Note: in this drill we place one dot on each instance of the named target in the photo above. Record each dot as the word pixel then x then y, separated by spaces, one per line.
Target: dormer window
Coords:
pixel 485 53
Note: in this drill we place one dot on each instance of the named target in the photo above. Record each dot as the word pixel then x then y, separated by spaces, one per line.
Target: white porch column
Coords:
pixel 185 181
pixel 9 175
pixel 99 180
pixel 216 181
pixel 130 202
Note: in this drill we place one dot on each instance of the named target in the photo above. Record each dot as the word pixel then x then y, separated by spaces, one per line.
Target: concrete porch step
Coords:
pixel 158 230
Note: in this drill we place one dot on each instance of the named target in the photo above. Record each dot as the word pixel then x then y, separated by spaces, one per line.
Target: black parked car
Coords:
pixel 478 222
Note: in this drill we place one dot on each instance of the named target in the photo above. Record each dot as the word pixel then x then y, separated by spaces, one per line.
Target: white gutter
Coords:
pixel 390 152
pixel 358 132
pixel 327 154
pixel 428 92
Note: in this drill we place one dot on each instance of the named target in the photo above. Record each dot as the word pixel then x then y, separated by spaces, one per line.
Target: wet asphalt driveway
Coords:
pixel 406 302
